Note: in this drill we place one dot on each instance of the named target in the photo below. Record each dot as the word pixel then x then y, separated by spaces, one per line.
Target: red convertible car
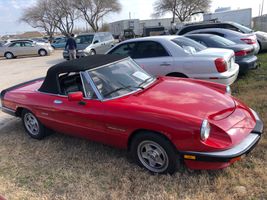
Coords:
pixel 161 121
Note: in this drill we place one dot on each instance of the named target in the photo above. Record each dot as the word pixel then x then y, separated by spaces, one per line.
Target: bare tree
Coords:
pixel 39 16
pixel 93 11
pixel 65 15
pixel 183 9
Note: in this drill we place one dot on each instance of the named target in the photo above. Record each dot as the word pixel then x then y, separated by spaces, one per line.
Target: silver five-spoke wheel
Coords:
pixel 31 123
pixel 153 156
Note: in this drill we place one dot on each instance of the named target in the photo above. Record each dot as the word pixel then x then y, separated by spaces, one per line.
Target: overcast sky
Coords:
pixel 10 11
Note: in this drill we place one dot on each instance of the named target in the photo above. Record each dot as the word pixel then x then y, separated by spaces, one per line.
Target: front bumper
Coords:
pixel 221 159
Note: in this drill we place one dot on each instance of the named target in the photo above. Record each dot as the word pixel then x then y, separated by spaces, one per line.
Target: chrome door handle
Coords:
pixel 165 64
pixel 57 101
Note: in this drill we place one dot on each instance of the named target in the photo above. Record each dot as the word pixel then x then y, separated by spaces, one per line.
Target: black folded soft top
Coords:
pixel 51 84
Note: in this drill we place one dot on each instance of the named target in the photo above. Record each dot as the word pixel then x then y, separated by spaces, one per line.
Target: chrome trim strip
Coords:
pixel 8 111
pixel 85 93
pixel 91 82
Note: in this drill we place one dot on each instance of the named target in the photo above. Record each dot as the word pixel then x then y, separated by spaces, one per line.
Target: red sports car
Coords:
pixel 161 121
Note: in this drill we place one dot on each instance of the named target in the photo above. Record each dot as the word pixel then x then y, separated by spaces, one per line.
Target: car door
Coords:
pixel 15 48
pixel 83 119
pixel 29 48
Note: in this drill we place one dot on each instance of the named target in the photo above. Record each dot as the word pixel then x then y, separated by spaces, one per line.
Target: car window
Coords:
pixel 96 38
pixel 148 49
pixel 70 82
pixel 102 37
pixel 84 39
pixel 26 44
pixel 242 28
pixel 15 44
pixel 221 41
pixel 124 49
pixel 201 42
pixel 189 46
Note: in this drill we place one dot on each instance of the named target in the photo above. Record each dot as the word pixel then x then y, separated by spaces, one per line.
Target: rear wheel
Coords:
pixel 32 125
pixel 42 52
pixel 154 152
pixel 9 55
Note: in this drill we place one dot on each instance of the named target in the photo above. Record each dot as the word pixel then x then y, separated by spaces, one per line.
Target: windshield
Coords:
pixel 119 79
pixel 84 39
pixel 221 41
pixel 244 29
pixel 189 46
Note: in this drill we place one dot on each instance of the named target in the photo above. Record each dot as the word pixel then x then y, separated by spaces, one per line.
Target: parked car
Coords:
pixel 262 39
pixel 239 38
pixel 92 43
pixel 15 48
pixel 161 121
pixel 261 36
pixel 244 56
pixel 59 43
pixel 181 57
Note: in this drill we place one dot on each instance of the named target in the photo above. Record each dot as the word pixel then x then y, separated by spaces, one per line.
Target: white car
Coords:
pixel 237 37
pixel 180 57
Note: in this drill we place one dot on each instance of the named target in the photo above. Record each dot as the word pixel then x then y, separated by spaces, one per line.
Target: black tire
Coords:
pixel 159 149
pixel 176 74
pixel 9 55
pixel 42 52
pixel 92 52
pixel 34 128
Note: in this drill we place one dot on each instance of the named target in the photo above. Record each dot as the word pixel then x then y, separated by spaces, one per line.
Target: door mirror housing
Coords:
pixel 96 41
pixel 75 96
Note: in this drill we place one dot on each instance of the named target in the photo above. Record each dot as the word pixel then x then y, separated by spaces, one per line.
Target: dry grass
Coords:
pixel 62 167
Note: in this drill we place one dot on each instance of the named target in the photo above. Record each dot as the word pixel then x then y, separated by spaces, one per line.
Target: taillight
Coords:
pixel 249 40
pixel 221 65
pixel 241 53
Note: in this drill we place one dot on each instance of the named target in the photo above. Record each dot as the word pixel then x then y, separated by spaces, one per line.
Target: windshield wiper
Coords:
pixel 122 88
pixel 146 80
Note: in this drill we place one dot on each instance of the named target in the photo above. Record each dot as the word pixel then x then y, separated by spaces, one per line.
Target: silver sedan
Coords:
pixel 16 48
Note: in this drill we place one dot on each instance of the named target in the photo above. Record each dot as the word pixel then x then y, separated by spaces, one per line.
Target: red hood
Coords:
pixel 186 97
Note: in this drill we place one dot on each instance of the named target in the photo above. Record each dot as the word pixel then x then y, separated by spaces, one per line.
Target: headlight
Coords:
pixel 228 90
pixel 205 130
pixel 80 51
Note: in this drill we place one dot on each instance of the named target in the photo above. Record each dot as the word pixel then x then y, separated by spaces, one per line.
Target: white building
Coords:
pixel 116 28
pixel 241 16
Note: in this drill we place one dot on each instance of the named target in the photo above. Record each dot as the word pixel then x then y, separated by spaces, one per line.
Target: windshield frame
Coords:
pixel 100 97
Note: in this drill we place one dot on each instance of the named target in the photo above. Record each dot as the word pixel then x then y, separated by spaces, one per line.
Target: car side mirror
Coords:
pixel 75 96
pixel 96 41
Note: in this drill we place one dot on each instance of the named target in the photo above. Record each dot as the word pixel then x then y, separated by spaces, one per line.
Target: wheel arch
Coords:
pixel 42 49
pixel 141 131
pixel 177 74
pixel 9 52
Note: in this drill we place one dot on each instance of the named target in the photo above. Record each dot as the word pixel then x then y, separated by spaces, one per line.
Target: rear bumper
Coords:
pixel 246 64
pixel 222 159
pixel 225 78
